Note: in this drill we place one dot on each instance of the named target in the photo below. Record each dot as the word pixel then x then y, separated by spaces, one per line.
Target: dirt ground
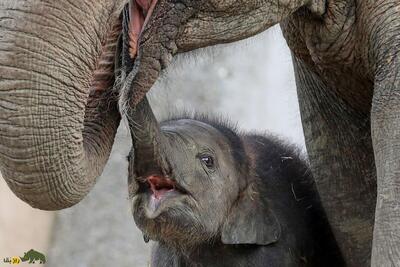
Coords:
pixel 251 83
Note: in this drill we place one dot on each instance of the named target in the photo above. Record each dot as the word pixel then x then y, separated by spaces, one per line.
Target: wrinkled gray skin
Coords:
pixel 347 63
pixel 58 119
pixel 236 200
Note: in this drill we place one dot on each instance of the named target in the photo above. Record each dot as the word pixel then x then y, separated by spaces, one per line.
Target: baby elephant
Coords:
pixel 211 196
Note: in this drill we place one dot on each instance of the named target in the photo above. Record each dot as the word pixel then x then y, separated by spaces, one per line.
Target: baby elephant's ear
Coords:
pixel 251 222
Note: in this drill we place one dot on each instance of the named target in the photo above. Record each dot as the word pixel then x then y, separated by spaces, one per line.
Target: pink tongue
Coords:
pixel 159 185
pixel 159 193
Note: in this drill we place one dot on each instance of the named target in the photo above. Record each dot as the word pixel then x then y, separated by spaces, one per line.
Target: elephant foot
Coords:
pixel 139 13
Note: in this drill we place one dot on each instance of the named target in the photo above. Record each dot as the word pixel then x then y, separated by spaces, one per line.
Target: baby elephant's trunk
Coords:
pixel 145 130
pixel 146 139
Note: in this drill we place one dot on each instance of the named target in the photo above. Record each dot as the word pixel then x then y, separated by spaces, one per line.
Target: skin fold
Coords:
pixel 346 59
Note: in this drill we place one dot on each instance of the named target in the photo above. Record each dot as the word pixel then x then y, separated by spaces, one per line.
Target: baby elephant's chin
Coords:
pixel 155 204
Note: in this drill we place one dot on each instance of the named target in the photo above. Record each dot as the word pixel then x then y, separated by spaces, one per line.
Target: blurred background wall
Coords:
pixel 250 83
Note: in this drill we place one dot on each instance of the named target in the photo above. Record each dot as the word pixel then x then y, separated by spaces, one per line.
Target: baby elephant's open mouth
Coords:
pixel 161 193
pixel 160 185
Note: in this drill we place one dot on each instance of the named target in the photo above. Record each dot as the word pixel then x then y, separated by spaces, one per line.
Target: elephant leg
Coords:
pixel 339 146
pixel 385 121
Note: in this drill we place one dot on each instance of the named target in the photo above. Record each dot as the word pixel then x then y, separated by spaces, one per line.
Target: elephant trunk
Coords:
pixel 147 139
pixel 155 46
pixel 58 117
pixel 144 128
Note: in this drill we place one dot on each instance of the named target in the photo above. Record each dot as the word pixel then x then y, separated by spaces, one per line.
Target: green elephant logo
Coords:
pixel 32 256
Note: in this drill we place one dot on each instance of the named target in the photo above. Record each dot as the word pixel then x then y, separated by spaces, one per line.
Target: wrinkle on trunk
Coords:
pixel 146 140
pixel 144 128
pixel 156 50
pixel 58 117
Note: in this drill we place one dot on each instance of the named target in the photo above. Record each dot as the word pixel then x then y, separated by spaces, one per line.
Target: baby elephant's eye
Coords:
pixel 208 161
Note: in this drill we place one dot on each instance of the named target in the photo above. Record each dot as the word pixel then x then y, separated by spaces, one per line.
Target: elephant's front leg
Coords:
pixel 385 120
pixel 341 156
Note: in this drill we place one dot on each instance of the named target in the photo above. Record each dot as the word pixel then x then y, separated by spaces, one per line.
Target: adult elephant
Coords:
pixel 347 66
pixel 58 116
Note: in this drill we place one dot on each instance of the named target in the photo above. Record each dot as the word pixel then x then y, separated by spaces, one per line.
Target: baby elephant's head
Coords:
pixel 189 179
